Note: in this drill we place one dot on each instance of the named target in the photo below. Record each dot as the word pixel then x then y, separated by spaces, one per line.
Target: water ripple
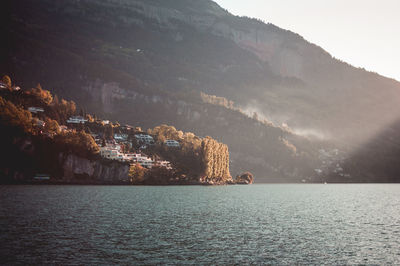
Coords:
pixel 260 224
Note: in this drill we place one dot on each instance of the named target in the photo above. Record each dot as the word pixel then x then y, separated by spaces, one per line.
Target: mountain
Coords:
pixel 160 61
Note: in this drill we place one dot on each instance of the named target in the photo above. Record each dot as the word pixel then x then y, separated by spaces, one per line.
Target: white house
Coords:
pixel 141 138
pixel 76 120
pixel 35 110
pixel 133 157
pixel 109 153
pixel 172 143
pixel 165 164
pixel 146 162
pixel 121 137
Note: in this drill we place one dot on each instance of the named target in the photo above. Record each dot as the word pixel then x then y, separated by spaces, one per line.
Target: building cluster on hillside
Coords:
pixel 77 120
pixel 112 150
pixel 119 146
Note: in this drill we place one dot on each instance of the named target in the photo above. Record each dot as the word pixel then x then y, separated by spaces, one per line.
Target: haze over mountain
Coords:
pixel 157 61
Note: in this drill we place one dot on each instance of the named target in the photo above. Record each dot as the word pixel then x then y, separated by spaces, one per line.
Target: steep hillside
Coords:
pixel 148 61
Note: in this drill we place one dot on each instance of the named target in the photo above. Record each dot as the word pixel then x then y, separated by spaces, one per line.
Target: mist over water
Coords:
pixel 271 224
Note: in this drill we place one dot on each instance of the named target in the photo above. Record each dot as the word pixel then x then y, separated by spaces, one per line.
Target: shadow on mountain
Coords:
pixel 377 161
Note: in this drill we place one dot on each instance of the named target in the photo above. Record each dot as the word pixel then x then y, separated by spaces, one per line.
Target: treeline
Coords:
pixel 31 143
pixel 215 161
pixel 197 159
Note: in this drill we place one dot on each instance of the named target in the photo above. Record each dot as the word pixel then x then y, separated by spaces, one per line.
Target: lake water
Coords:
pixel 258 224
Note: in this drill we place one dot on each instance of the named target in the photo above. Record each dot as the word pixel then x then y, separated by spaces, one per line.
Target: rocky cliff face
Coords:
pixel 77 168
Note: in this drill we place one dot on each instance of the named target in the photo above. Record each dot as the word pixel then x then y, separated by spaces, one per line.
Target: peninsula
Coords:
pixel 46 140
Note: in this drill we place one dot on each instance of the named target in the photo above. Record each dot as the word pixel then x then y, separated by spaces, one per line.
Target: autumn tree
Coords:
pixel 137 173
pixel 215 159
pixel 15 117
pixel 89 118
pixel 51 126
pixel 41 95
pixel 165 132
pixel 79 143
pixel 109 132
pixel 7 81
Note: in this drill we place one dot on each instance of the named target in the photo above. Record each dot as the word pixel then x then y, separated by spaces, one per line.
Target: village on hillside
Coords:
pixel 49 135
pixel 121 143
pixel 127 145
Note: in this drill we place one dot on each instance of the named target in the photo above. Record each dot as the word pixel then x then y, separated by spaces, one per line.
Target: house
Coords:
pixel 145 162
pixel 133 157
pixel 113 152
pixel 40 123
pixel 165 164
pixel 113 146
pixel 147 139
pixel 109 153
pixel 76 120
pixel 121 137
pixel 127 127
pixel 171 143
pixel 3 85
pixel 41 177
pixel 64 128
pixel 35 110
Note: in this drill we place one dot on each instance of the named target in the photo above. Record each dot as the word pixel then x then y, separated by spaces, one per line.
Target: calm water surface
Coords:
pixel 258 224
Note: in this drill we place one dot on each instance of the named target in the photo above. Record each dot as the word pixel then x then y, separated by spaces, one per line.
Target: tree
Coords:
pixel 56 102
pixel 79 143
pixel 15 117
pixel 42 95
pixel 109 132
pixel 90 118
pixel 51 126
pixel 245 178
pixel 136 173
pixel 7 80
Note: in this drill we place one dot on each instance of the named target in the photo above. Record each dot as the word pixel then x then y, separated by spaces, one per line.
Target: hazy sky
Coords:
pixel 364 33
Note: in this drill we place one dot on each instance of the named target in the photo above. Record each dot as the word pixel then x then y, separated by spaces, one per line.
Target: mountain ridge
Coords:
pixel 150 48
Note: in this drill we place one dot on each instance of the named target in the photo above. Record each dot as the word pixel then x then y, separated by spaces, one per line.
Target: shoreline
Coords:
pixel 76 183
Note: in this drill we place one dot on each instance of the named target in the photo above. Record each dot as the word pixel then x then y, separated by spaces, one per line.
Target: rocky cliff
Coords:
pixel 80 169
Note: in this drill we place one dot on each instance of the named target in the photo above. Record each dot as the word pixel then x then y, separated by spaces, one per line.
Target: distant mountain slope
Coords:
pixel 148 60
